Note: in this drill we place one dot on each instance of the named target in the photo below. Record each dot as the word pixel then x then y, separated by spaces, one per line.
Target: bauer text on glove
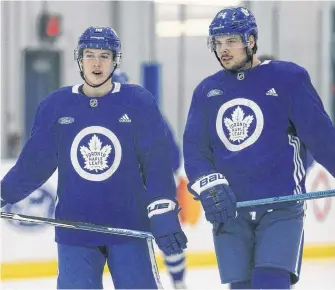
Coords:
pixel 217 198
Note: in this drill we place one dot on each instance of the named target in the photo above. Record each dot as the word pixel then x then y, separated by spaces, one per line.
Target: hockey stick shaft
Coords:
pixel 287 198
pixel 148 235
pixel 77 225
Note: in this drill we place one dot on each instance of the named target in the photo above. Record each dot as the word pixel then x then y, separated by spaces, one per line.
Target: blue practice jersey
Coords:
pixel 255 127
pixel 113 159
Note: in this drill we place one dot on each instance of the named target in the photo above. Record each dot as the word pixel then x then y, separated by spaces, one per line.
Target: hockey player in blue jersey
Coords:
pixel 248 129
pixel 109 143
pixel 175 263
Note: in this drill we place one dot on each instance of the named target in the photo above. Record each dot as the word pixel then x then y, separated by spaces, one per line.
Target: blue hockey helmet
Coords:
pixel 234 21
pixel 100 38
pixel 120 77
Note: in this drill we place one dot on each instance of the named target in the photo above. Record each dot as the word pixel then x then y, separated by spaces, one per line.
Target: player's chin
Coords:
pixel 96 79
pixel 231 66
pixel 228 66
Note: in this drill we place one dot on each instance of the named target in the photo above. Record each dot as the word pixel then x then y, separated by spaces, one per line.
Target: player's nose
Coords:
pixel 97 62
pixel 224 50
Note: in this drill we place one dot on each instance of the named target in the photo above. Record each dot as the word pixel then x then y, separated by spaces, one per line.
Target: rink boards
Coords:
pixel 30 251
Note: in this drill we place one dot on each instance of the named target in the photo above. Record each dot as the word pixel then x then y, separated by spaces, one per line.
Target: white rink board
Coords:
pixel 320 216
pixel 36 243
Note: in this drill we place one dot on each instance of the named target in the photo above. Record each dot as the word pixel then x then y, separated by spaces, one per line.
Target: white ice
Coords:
pixel 315 275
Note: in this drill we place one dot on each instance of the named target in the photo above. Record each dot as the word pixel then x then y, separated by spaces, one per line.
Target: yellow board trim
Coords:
pixel 43 269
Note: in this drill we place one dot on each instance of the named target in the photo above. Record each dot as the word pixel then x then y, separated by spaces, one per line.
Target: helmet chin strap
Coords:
pixel 98 85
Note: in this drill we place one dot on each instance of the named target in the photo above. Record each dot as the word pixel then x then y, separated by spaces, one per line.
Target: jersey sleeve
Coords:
pixel 37 161
pixel 153 149
pixel 197 150
pixel 311 121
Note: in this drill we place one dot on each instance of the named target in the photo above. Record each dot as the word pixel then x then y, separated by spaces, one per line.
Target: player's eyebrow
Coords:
pixel 102 53
pixel 233 37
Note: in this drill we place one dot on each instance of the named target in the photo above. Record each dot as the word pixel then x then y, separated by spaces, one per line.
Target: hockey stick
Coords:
pixel 147 235
pixel 287 198
pixel 77 225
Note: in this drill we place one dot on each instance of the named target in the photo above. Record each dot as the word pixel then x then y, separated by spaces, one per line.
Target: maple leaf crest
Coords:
pixel 95 156
pixel 238 126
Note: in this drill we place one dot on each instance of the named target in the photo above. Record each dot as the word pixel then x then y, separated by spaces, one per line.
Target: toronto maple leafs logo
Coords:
pixel 95 156
pixel 238 125
pixel 96 153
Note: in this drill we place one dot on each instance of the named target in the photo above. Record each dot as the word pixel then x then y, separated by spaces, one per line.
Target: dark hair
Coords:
pixel 255 48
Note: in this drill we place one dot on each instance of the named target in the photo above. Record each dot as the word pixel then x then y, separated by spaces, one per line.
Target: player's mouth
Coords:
pixel 226 58
pixel 97 73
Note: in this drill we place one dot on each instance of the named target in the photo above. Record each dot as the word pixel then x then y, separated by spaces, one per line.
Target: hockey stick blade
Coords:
pixel 287 198
pixel 77 225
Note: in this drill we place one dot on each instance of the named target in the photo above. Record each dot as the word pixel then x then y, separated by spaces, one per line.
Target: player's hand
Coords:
pixel 217 198
pixel 165 226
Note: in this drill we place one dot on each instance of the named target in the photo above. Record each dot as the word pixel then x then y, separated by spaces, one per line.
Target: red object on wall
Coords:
pixel 49 27
pixel 53 26
pixel 321 213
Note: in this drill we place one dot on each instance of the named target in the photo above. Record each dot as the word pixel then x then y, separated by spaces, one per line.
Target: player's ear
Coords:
pixel 251 43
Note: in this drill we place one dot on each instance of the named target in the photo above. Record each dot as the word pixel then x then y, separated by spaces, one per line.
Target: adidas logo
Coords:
pixel 272 92
pixel 124 119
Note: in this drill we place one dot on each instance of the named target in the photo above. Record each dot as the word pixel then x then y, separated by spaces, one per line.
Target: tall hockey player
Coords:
pixel 110 146
pixel 175 264
pixel 247 132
